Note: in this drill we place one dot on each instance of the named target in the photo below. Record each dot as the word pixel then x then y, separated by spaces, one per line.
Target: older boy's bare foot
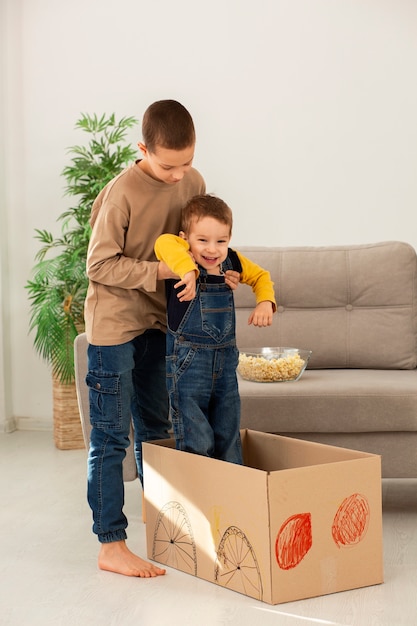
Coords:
pixel 116 557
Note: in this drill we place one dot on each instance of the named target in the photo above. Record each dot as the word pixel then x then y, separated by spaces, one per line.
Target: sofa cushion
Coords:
pixel 353 306
pixel 332 401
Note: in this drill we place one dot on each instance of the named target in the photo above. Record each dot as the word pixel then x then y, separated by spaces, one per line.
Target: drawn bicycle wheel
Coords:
pixel 173 541
pixel 236 565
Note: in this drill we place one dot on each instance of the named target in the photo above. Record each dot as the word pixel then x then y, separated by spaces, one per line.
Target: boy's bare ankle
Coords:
pixel 116 557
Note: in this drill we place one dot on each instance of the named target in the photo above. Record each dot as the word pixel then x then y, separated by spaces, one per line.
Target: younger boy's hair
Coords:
pixel 205 205
pixel 168 124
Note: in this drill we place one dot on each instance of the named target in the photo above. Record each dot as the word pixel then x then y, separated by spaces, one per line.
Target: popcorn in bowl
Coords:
pixel 270 365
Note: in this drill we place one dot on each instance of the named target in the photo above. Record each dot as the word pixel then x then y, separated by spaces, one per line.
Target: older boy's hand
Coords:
pixel 232 278
pixel 189 287
pixel 262 314
pixel 164 272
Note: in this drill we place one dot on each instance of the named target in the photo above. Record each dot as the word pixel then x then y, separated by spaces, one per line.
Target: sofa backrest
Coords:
pixel 353 306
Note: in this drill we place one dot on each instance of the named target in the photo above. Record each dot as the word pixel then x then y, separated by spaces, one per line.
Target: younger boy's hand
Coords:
pixel 262 314
pixel 232 278
pixel 189 287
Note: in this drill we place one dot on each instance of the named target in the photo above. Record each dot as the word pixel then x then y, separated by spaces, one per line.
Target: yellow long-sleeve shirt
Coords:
pixel 174 251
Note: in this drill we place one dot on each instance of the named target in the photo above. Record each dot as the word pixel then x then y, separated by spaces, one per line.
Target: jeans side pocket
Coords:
pixel 105 400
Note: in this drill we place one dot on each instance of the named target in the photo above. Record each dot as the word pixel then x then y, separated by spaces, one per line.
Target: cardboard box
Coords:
pixel 298 520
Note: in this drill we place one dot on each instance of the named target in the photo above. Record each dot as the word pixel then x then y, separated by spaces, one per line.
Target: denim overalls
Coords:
pixel 201 374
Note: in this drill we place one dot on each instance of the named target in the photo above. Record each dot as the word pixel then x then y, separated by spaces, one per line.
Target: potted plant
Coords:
pixel 59 283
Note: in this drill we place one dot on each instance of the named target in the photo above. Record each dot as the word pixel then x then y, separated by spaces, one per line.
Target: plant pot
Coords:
pixel 68 434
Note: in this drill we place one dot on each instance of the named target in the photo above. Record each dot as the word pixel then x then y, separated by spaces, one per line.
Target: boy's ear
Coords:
pixel 142 148
pixel 182 234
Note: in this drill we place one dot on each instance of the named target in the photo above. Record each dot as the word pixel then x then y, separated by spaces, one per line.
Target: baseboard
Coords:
pixel 33 423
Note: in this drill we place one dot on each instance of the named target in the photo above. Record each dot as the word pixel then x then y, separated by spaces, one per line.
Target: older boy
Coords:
pixel 125 314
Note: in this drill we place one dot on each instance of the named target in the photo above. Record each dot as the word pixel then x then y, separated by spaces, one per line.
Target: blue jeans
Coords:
pixel 201 376
pixel 126 382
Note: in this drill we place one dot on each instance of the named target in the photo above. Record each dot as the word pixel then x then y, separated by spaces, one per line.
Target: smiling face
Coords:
pixel 208 239
pixel 166 165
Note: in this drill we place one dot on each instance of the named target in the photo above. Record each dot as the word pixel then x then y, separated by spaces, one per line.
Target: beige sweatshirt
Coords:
pixel 124 297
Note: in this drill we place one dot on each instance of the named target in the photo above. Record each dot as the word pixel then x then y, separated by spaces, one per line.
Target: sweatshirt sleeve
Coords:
pixel 174 251
pixel 259 279
pixel 107 262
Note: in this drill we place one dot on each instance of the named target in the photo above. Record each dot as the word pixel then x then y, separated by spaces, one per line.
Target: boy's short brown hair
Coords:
pixel 168 124
pixel 205 205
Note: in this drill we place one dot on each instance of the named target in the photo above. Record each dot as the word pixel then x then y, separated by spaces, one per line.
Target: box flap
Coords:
pixel 271 452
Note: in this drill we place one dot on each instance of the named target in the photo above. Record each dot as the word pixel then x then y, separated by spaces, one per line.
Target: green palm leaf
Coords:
pixel 58 286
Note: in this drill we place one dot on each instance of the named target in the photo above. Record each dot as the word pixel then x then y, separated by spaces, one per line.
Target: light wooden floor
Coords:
pixel 48 572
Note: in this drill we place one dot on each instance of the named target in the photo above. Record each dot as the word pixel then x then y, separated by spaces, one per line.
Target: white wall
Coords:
pixel 305 112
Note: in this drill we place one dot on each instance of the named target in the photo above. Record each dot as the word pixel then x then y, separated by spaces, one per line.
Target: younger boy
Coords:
pixel 201 344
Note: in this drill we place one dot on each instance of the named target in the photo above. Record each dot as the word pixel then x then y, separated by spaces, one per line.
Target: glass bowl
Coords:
pixel 272 365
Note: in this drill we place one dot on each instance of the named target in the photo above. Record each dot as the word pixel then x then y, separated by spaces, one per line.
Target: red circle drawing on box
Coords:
pixel 294 540
pixel 351 520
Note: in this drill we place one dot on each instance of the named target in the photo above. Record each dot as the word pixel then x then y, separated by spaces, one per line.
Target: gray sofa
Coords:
pixel 355 308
